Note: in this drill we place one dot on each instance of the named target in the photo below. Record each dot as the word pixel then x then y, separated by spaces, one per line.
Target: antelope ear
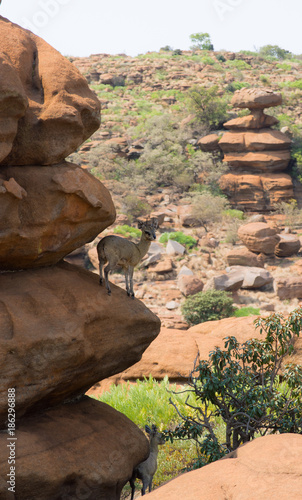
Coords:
pixel 147 429
pixel 140 224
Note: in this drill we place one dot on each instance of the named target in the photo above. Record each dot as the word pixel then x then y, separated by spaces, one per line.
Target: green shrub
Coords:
pixel 284 66
pixel 293 85
pixel 238 64
pixel 232 87
pixel 246 311
pixel 220 58
pixel 207 306
pixel 207 208
pixel 265 79
pixel 207 60
pixel 134 206
pixel 233 213
pixel 180 237
pixel 127 231
pixel 241 385
pixel 210 109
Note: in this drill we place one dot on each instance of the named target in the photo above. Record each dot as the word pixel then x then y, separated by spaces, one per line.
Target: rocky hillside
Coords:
pixel 135 91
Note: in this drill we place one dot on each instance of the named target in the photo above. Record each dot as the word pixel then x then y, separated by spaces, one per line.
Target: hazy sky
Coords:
pixel 81 28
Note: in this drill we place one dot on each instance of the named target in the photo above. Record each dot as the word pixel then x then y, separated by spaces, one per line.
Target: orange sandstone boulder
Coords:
pixel 267 468
pixel 47 109
pixel 47 212
pixel 259 237
pixel 61 333
pixel 79 450
pixel 243 257
pixel 255 98
pixel 256 120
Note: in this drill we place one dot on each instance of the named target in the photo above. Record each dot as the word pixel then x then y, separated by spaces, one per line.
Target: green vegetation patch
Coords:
pixel 180 237
pixel 207 306
pixel 127 231
pixel 246 311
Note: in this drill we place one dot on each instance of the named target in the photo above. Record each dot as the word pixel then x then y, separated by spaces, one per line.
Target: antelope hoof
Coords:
pixel 132 295
pixel 109 292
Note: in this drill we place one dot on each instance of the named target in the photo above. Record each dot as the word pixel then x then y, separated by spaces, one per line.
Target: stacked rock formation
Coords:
pixel 256 154
pixel 60 332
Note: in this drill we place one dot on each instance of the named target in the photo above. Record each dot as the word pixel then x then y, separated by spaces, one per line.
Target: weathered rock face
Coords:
pixel 47 212
pixel 243 257
pixel 288 245
pixel 230 282
pixel 189 285
pixel 289 288
pixel 257 192
pixel 78 450
pixel 253 277
pixel 59 335
pixel 47 108
pixel 259 237
pixel 250 147
pixel 267 468
pixel 260 140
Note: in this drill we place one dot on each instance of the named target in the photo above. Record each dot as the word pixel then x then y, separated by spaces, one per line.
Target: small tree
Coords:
pixel 210 109
pixel 240 384
pixel 208 209
pixel 207 306
pixel 201 41
pixel 274 51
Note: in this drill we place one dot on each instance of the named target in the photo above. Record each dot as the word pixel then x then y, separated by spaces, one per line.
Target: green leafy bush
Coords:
pixel 232 87
pixel 246 311
pixel 127 231
pixel 233 213
pixel 207 306
pixel 207 60
pixel 241 385
pixel 134 206
pixel 210 109
pixel 180 237
pixel 238 64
